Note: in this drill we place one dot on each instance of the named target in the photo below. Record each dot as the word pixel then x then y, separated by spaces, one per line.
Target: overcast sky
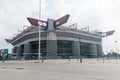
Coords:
pixel 102 15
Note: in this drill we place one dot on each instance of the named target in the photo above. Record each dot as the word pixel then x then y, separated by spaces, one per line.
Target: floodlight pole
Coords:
pixel 80 50
pixel 117 51
pixel 39 31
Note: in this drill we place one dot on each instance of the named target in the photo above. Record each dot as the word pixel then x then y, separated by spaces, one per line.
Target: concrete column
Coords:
pixel 14 50
pixel 93 50
pixel 27 51
pixel 99 50
pixel 51 45
pixel 27 48
pixel 18 52
pixel 52 48
pixel 75 48
pixel 51 25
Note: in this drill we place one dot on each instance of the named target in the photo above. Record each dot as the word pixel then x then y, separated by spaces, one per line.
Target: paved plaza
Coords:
pixel 60 70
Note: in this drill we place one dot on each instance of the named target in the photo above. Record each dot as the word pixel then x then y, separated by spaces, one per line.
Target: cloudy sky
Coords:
pixel 102 15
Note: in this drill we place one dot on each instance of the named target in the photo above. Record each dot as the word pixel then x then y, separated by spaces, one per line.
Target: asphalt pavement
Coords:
pixel 60 70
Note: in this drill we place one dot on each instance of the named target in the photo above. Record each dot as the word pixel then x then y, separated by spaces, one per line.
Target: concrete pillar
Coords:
pixel 75 48
pixel 99 50
pixel 52 48
pixel 27 51
pixel 93 50
pixel 18 52
pixel 51 45
pixel 14 50
pixel 27 48
pixel 51 25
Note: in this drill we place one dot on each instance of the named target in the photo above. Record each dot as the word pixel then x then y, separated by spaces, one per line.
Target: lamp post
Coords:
pixel 117 50
pixel 39 22
pixel 80 50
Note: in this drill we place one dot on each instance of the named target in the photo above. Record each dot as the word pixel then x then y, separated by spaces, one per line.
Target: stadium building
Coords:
pixel 57 41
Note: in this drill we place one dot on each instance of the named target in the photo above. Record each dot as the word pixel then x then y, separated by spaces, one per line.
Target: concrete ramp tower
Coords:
pixel 51 46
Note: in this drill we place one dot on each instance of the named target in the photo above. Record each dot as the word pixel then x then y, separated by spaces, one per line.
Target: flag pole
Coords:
pixel 39 31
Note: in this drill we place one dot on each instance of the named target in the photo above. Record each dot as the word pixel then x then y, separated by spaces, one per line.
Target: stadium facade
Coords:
pixel 56 41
